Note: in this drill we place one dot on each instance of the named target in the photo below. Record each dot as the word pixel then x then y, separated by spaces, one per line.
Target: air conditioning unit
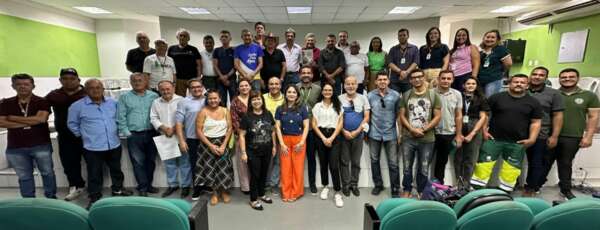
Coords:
pixel 565 11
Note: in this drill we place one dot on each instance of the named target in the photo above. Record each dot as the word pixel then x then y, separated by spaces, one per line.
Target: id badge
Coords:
pixel 27 127
pixel 466 119
pixel 428 56
pixel 403 60
pixel 486 63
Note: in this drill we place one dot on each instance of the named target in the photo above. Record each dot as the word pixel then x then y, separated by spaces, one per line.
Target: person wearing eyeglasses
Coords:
pixel 356 118
pixel 385 104
pixel 420 113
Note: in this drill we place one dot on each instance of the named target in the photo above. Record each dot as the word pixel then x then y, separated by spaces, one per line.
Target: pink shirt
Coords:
pixel 460 61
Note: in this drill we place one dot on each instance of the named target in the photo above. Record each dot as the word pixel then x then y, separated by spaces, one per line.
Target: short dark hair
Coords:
pixel 225 32
pixel 21 76
pixel 445 72
pixel 519 75
pixel 306 67
pixel 208 37
pixel 382 73
pixel 256 94
pixel 331 36
pixel 417 71
pixel 260 23
pixel 542 68
pixel 403 30
pixel 189 82
pixel 569 70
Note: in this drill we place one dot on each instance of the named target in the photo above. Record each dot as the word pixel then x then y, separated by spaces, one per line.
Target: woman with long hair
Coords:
pixel 238 107
pixel 214 167
pixel 377 58
pixel 257 144
pixel 475 109
pixel 433 56
pixel 464 59
pixel 495 61
pixel 291 122
pixel 327 122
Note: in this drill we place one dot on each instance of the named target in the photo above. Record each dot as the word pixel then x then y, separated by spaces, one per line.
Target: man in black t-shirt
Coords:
pixel 136 56
pixel 516 119
pixel 187 60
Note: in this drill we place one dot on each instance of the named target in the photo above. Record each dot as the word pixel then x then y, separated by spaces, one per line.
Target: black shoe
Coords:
pixel 346 191
pixel 92 201
pixel 122 192
pixel 313 189
pixel 395 193
pixel 568 195
pixel 152 190
pixel 376 190
pixel 185 192
pixel 197 193
pixel 355 191
pixel 169 191
pixel 141 193
pixel 246 192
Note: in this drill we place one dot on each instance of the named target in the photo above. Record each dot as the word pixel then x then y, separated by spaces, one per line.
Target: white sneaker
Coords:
pixel 324 193
pixel 74 192
pixel 339 202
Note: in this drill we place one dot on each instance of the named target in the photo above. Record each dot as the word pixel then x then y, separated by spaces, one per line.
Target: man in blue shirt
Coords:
pixel 223 65
pixel 93 118
pixel 133 119
pixel 385 107
pixel 249 59
pixel 403 59
pixel 185 126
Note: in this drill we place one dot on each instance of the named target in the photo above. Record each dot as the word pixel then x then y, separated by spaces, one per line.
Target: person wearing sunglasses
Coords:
pixel 385 104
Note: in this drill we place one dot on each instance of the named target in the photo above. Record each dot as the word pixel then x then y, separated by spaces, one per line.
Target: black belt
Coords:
pixel 143 131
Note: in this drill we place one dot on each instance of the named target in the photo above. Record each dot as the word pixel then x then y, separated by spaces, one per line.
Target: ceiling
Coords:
pixel 274 11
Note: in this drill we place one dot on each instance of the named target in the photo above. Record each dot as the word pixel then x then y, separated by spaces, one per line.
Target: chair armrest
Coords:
pixel 371 220
pixel 198 217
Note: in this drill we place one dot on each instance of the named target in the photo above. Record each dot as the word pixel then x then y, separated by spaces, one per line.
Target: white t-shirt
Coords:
pixel 159 68
pixel 207 64
pixel 355 66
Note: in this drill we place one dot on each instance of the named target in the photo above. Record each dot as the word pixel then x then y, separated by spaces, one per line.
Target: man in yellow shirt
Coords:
pixel 273 99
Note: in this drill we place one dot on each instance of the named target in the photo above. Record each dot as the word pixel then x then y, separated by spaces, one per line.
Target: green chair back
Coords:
pixel 572 215
pixel 499 215
pixel 138 213
pixel 536 205
pixel 467 199
pixel 42 213
pixel 387 205
pixel 421 215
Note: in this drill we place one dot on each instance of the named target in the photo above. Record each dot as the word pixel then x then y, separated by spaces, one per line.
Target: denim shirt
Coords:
pixel 187 109
pixel 95 124
pixel 383 120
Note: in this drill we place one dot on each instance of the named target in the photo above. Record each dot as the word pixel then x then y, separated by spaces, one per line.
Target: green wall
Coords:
pixel 543 43
pixel 42 49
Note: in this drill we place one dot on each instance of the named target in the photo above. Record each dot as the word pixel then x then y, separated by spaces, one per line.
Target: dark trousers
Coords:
pixel 230 90
pixel 210 82
pixel 70 149
pixel 258 163
pixel 391 151
pixel 400 87
pixel 535 164
pixel 350 160
pixel 563 154
pixel 311 157
pixel 459 82
pixel 329 158
pixel 95 162
pixel 442 148
pixel 142 153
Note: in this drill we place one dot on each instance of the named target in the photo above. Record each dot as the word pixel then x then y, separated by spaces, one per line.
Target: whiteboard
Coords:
pixel 572 46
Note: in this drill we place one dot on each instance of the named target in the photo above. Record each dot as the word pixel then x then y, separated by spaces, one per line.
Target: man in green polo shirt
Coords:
pixel 581 115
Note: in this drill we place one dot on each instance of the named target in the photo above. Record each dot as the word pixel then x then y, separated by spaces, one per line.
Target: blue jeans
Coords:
pixel 411 150
pixel 391 152
pixel 256 85
pixel 291 78
pixel 493 87
pixel 536 175
pixel 142 152
pixel 182 165
pixel 22 159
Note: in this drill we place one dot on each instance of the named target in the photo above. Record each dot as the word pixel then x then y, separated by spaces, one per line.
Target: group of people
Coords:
pixel 274 107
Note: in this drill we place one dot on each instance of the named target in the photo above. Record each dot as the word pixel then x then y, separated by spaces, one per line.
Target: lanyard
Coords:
pixel 467 104
pixel 24 110
pixel 305 95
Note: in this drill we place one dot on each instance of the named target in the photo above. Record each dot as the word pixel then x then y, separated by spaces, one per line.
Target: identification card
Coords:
pixel 428 56
pixel 403 60
pixel 486 63
pixel 466 119
pixel 27 127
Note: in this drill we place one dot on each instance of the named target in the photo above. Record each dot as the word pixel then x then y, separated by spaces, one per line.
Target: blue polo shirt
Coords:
pixel 291 120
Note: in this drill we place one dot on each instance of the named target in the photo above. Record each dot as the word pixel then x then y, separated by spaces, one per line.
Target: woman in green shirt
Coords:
pixel 495 61
pixel 377 58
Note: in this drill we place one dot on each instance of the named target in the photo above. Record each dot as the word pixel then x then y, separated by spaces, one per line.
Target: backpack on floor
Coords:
pixel 446 194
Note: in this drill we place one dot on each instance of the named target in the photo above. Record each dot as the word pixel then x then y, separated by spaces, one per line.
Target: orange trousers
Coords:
pixel 292 168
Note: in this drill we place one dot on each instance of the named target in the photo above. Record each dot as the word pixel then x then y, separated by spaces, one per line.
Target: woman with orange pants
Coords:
pixel 291 123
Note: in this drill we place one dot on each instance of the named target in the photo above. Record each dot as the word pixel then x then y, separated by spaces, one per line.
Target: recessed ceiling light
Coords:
pixel 92 10
pixel 299 10
pixel 194 10
pixel 404 9
pixel 508 9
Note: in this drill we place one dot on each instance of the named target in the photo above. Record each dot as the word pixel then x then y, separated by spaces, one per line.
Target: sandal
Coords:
pixel 256 205
pixel 266 199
